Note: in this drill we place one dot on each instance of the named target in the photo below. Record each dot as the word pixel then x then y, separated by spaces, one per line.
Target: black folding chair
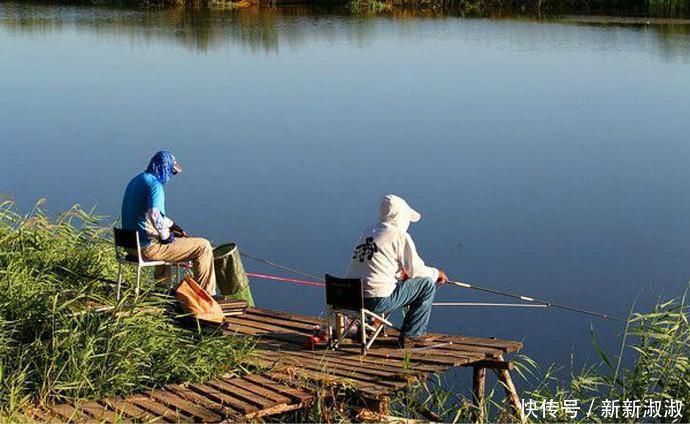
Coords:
pixel 344 297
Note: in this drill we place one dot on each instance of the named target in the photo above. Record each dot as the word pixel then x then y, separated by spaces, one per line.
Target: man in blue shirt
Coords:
pixel 143 210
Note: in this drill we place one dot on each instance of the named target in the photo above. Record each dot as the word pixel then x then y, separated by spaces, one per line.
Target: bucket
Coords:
pixel 230 275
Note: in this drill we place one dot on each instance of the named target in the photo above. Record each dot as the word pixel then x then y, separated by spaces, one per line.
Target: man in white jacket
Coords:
pixel 392 273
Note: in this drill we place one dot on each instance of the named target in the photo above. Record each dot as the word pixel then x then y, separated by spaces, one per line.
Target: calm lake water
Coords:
pixel 550 159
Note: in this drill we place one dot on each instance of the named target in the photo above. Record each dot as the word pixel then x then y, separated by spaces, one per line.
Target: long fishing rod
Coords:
pixel 532 301
pixel 495 305
pixel 545 303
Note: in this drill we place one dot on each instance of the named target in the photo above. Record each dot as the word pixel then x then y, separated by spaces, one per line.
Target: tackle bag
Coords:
pixel 197 301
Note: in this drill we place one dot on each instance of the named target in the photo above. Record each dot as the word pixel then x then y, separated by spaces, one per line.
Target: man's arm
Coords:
pixel 414 266
pixel 161 225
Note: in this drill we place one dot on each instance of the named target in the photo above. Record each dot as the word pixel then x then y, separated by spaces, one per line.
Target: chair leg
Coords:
pixel 344 334
pixel 136 288
pixel 119 281
pixel 173 275
pixel 373 337
pixel 383 331
pixel 363 331
pixel 331 333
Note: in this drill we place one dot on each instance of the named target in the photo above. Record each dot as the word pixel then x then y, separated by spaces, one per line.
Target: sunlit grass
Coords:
pixel 53 347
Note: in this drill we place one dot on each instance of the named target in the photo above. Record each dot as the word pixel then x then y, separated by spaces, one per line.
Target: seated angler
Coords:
pixel 392 273
pixel 143 210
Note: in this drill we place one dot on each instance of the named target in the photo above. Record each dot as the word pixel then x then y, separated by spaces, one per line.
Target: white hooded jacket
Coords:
pixel 385 250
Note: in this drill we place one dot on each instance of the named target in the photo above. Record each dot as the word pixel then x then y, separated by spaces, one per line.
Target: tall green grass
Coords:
pixel 55 347
pixel 657 347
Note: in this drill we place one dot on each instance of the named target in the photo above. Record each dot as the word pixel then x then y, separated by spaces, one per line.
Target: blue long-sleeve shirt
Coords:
pixel 143 209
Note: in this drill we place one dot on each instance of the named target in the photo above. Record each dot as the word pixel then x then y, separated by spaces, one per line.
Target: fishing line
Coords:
pixel 283 267
pixel 286 280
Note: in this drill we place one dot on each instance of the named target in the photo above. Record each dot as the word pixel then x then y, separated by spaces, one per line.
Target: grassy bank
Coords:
pixel 54 348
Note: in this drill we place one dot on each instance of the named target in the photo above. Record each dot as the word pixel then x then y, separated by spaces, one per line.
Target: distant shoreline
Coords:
pixel 621 12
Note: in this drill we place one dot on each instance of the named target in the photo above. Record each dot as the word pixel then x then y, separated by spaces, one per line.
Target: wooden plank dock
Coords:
pixel 289 368
pixel 283 348
pixel 232 399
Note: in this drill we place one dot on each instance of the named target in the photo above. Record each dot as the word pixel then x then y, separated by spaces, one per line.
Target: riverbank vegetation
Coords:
pixel 56 345
pixel 651 370
pixel 651 8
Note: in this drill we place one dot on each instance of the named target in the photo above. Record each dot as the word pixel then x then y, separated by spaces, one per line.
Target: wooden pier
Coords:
pixel 283 348
pixel 289 368
pixel 232 399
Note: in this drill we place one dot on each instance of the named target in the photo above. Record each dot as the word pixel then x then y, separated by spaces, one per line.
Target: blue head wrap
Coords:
pixel 161 166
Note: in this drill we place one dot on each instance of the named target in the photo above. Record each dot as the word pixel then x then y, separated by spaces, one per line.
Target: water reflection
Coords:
pixel 549 158
pixel 271 29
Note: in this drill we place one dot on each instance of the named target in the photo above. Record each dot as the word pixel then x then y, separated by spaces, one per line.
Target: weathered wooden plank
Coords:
pixel 128 410
pixel 242 394
pixel 294 338
pixel 357 379
pixel 413 357
pixel 296 395
pixel 65 413
pixel 283 323
pixel 506 345
pixel 221 409
pixel 290 316
pixel 39 415
pixel 418 368
pixel 258 390
pixel 340 363
pixel 267 328
pixel 360 361
pixel 465 348
pixel 180 404
pixel 166 414
pixel 220 396
pixel 99 412
pixel 370 390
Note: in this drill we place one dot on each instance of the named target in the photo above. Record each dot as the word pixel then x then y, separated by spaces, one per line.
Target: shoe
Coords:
pixel 218 297
pixel 412 341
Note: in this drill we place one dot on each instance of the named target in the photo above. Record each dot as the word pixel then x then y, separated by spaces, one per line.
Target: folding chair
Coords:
pixel 128 252
pixel 344 297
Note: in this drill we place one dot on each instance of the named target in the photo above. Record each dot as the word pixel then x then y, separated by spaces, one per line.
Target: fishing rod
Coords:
pixel 543 303
pixel 532 302
pixel 496 305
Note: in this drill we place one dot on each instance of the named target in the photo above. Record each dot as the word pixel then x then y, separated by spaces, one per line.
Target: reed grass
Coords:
pixel 55 347
pixel 655 345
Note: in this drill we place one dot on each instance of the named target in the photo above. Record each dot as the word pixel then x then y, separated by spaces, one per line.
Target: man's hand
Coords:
pixel 178 231
pixel 442 277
